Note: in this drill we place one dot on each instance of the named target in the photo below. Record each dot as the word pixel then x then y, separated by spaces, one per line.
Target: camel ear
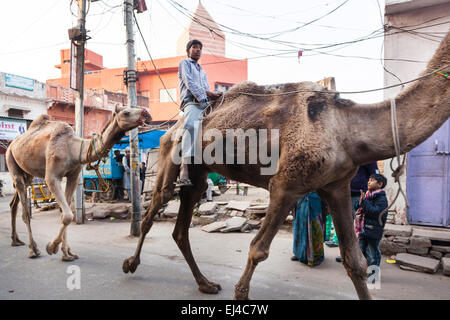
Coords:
pixel 118 108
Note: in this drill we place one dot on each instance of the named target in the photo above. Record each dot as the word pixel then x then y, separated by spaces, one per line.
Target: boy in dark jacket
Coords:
pixel 359 182
pixel 367 224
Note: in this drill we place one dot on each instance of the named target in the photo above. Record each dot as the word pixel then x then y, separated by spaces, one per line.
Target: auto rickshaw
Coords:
pixel 40 192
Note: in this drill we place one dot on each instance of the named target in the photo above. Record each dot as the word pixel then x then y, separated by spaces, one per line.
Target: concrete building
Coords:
pixel 21 101
pixel 427 178
pixel 164 104
pixel 98 106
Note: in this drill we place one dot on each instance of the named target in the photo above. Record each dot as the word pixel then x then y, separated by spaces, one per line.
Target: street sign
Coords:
pixel 11 80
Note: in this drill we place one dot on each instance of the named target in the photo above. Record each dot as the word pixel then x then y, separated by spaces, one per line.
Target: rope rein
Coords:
pixel 347 92
pixel 89 166
pixel 207 111
pixel 398 172
pixel 437 71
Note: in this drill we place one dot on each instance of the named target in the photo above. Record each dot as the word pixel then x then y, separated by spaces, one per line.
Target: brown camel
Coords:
pixel 51 150
pixel 323 139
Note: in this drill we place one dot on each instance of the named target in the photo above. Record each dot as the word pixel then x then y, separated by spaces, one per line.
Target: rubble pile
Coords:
pixel 231 216
pixel 417 249
pixel 225 216
pixel 222 215
pixel 110 210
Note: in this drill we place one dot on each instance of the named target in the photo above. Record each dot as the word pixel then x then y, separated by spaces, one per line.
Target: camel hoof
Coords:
pixel 130 264
pixel 17 243
pixel 210 288
pixel 240 293
pixel 240 296
pixel 67 258
pixel 72 254
pixel 51 248
pixel 34 254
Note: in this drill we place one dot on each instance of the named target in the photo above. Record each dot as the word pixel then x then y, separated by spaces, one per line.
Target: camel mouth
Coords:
pixel 146 118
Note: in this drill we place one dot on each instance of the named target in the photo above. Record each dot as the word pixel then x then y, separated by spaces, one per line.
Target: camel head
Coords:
pixel 130 118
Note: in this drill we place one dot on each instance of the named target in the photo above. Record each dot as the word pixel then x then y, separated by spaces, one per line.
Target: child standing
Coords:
pixel 367 223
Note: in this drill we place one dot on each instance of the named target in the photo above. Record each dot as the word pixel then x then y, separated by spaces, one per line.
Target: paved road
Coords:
pixel 163 273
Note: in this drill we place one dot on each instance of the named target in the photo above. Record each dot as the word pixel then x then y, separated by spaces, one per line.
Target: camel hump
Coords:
pixel 61 130
pixel 41 120
pixel 244 86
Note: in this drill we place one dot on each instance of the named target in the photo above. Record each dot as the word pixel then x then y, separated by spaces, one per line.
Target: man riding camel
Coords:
pixel 194 95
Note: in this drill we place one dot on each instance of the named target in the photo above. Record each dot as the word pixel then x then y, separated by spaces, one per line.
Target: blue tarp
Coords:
pixel 109 168
pixel 147 140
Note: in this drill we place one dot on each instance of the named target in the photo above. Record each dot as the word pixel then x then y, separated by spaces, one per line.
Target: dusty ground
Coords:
pixel 163 273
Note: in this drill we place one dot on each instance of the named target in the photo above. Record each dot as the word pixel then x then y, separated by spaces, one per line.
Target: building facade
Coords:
pixel 99 106
pixel 21 101
pixel 163 94
pixel 427 178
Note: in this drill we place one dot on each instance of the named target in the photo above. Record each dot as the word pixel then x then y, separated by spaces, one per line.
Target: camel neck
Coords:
pixel 421 109
pixel 99 146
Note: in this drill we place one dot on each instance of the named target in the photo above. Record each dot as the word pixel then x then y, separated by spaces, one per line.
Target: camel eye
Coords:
pixel 126 113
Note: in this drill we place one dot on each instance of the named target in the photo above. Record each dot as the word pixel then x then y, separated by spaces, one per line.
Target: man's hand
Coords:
pixel 213 94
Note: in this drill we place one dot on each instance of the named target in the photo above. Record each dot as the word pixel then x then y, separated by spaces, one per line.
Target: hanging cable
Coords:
pixel 153 62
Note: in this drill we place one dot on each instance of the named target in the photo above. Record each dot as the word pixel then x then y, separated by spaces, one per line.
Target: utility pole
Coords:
pixel 78 37
pixel 130 78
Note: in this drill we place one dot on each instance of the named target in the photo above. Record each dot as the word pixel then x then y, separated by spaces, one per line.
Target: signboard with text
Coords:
pixel 11 128
pixel 11 80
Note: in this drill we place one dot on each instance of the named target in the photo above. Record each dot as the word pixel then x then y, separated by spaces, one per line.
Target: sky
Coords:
pixel 34 32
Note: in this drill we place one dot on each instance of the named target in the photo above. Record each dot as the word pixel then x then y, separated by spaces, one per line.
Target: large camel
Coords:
pixel 51 150
pixel 323 139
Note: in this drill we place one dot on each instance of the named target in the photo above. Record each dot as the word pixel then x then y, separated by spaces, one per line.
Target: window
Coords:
pixel 222 87
pixel 15 113
pixel 168 95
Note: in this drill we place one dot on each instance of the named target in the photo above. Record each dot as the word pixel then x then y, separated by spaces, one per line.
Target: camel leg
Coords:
pixel 13 205
pixel 189 196
pixel 26 217
pixel 21 180
pixel 71 185
pixel 339 203
pixel 54 185
pixel 281 201
pixel 166 177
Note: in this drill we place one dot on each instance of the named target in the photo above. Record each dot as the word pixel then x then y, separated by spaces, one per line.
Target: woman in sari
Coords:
pixel 308 230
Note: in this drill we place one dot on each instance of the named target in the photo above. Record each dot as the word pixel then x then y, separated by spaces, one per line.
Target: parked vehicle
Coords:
pixel 111 171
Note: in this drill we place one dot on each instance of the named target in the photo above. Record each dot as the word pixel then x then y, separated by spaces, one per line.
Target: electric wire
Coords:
pixel 274 34
pixel 382 47
pixel 32 49
pixel 40 17
pixel 253 13
pixel 153 62
pixel 376 34
pixel 348 92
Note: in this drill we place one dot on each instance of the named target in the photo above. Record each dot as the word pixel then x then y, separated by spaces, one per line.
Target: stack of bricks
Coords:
pixel 428 243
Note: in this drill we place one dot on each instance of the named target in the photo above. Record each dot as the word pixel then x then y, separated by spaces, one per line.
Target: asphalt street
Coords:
pixel 163 273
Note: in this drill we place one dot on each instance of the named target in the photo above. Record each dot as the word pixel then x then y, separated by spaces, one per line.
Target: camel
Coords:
pixel 51 150
pixel 323 139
